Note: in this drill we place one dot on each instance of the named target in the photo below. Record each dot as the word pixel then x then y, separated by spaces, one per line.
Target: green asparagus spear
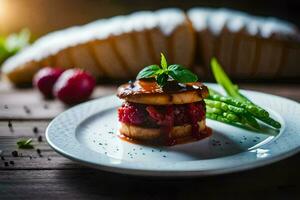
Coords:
pixel 228 115
pixel 237 99
pixel 251 121
pixel 250 107
pixel 270 121
pixel 215 110
pixel 223 80
pixel 223 119
pixel 225 106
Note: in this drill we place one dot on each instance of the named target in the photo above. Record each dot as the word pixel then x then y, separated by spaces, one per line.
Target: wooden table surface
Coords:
pixel 48 175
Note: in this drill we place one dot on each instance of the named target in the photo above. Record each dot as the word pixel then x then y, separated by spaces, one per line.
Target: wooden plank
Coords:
pixel 29 104
pixel 90 183
pixel 30 159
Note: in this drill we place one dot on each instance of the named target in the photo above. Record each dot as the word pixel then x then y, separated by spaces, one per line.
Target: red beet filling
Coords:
pixel 150 116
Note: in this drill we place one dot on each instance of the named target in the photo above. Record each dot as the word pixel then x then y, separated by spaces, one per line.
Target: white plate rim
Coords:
pixel 176 170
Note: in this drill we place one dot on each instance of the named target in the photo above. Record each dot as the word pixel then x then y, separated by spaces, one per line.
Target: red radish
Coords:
pixel 74 86
pixel 45 79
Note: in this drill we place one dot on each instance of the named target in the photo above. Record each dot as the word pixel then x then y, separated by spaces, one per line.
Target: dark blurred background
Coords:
pixel 42 16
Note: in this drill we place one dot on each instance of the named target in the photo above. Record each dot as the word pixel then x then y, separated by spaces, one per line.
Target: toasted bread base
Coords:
pixel 148 134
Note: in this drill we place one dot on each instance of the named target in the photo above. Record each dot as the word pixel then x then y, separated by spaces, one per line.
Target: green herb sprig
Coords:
pixel 164 72
pixel 25 144
pixel 13 43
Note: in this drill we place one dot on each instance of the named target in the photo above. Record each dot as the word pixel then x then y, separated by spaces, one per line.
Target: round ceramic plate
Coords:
pixel 88 133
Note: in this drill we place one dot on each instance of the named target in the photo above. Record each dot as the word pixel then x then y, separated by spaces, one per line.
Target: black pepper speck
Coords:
pixel 10 126
pixel 14 154
pixel 11 162
pixel 6 164
pixel 26 109
pixel 35 130
pixel 2 158
pixel 38 151
pixel 40 138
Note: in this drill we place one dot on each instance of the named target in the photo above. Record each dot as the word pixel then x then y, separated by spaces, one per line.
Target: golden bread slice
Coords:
pixel 141 133
pixel 63 59
pixel 166 99
pixel 83 58
pixel 17 76
pixel 149 92
pixel 199 18
pixel 173 30
pixel 183 45
pixel 108 60
pixel 246 56
pixel 290 60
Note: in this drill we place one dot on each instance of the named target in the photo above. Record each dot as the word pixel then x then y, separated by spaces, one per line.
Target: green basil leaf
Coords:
pixel 148 72
pixel 163 61
pixel 162 79
pixel 181 74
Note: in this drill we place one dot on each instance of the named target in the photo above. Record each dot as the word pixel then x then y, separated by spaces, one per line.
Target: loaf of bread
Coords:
pixel 116 48
pixel 246 46
pixel 119 47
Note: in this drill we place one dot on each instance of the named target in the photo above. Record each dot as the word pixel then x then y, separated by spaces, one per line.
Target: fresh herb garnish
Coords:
pixel 164 72
pixel 25 144
pixel 13 43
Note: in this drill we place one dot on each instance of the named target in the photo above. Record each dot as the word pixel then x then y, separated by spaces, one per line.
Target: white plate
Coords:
pixel 88 133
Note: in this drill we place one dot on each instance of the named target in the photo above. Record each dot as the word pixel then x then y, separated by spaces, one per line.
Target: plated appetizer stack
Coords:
pixel 164 105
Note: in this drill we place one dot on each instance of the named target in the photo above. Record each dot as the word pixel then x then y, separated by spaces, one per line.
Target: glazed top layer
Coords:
pixel 145 87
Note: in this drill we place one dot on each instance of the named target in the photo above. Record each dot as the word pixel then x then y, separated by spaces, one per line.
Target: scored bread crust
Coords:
pixel 146 134
pixel 115 48
pixel 119 47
